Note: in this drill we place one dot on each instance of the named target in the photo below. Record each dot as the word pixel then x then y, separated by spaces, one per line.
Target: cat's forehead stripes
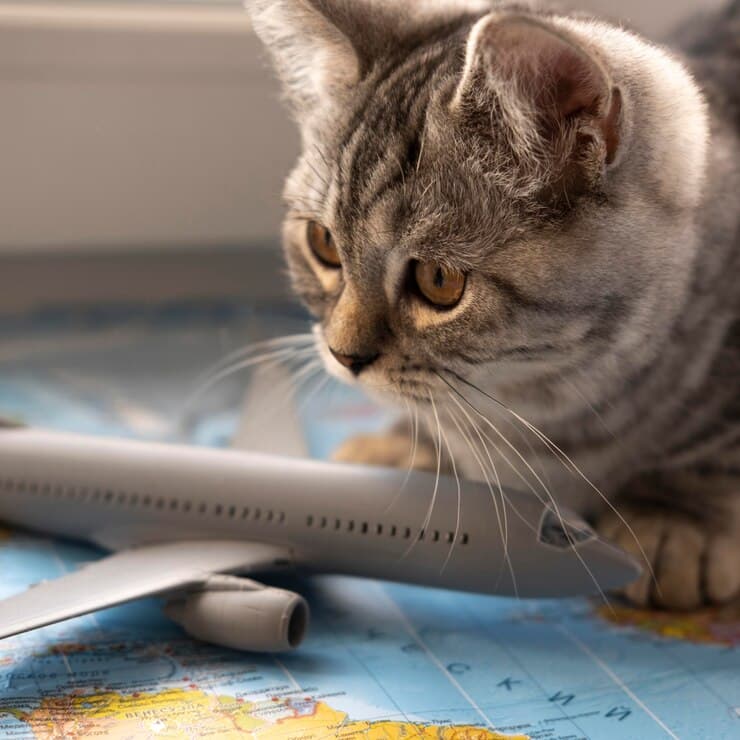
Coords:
pixel 394 115
pixel 378 153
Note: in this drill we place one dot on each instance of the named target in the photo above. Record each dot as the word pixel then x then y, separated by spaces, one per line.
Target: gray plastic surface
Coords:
pixel 268 620
pixel 129 575
pixel 199 511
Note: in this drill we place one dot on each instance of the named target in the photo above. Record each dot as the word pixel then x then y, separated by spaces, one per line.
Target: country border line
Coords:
pixel 437 662
pixel 617 680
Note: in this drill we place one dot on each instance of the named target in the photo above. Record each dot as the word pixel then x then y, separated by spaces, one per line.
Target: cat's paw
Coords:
pixel 386 450
pixel 692 563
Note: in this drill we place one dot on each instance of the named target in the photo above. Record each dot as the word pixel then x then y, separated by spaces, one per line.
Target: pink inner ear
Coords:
pixel 579 85
pixel 565 80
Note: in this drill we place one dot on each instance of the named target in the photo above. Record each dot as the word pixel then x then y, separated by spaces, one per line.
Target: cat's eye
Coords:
pixel 439 284
pixel 322 244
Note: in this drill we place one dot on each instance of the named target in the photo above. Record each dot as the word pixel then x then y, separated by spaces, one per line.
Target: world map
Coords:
pixel 381 660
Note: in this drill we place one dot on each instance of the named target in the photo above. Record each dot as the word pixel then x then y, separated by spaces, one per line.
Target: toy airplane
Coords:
pixel 190 523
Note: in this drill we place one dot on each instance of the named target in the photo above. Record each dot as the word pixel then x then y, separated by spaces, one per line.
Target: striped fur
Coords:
pixel 603 260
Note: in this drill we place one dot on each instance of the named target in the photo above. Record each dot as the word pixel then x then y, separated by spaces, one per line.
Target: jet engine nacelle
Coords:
pixel 243 615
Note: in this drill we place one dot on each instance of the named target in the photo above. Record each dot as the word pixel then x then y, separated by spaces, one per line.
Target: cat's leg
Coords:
pixel 396 448
pixel 687 524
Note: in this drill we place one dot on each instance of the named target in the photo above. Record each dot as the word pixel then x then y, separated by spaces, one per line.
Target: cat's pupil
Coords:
pixel 439 278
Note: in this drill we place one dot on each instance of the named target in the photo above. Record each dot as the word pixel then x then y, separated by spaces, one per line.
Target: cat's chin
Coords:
pixel 400 392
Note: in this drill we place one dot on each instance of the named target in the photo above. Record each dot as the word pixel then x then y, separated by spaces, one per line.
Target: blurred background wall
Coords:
pixel 133 128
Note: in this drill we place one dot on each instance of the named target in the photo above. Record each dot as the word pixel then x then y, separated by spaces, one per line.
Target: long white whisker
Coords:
pixel 430 510
pixel 503 524
pixel 568 463
pixel 266 359
pixel 285 391
pixel 564 458
pixel 317 389
pixel 593 408
pixel 459 501
pixel 292 340
pixel 521 434
pixel 545 488
pixel 276 355
pixel 414 421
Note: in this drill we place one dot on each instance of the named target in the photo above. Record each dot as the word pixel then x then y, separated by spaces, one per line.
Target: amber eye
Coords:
pixel 322 244
pixel 440 285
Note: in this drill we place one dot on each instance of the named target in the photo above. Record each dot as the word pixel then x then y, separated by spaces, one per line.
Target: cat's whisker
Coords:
pixel 287 390
pixel 299 377
pixel 547 491
pixel 400 169
pixel 609 402
pixel 414 422
pixel 317 388
pixel 272 357
pixel 590 405
pixel 502 521
pixel 291 340
pixel 275 356
pixel 553 504
pixel 511 423
pixel 568 463
pixel 430 510
pixel 422 142
pixel 502 529
pixel 459 501
pixel 415 439
pixel 506 441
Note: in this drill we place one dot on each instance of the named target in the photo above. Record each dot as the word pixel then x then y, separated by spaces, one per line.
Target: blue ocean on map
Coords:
pixel 377 653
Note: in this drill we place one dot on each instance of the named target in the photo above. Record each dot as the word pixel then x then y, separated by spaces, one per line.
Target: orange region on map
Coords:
pixel 186 713
pixel 714 626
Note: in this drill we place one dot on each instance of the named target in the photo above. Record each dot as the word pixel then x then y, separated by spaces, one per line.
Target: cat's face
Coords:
pixel 457 207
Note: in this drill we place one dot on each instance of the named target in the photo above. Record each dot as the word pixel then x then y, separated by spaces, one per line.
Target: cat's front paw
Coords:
pixel 692 562
pixel 386 450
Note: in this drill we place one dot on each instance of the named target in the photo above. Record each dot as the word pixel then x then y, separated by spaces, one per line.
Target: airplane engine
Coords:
pixel 243 615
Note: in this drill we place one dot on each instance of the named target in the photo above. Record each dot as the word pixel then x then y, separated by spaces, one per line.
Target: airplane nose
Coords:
pixel 355 363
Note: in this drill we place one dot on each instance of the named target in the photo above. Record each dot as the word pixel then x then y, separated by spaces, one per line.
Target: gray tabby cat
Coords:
pixel 523 225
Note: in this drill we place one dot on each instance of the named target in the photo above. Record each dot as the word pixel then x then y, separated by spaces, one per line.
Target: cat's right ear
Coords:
pixel 549 90
pixel 314 56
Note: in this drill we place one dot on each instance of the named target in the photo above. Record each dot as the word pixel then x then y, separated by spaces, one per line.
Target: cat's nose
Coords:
pixel 355 363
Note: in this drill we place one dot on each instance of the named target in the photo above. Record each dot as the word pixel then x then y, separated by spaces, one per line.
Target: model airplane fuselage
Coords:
pixel 184 520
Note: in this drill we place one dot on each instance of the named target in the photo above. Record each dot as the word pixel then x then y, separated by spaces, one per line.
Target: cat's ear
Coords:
pixel 546 85
pixel 319 47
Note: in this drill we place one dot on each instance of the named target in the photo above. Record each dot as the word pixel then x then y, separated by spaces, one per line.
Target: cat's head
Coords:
pixel 481 191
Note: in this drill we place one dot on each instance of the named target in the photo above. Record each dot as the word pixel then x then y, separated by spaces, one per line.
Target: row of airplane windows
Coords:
pixel 146 500
pixel 217 509
pixel 392 530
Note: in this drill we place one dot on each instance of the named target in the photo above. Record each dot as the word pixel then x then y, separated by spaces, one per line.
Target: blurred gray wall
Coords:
pixel 139 127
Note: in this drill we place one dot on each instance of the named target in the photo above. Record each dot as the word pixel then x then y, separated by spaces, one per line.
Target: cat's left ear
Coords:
pixel 319 48
pixel 547 87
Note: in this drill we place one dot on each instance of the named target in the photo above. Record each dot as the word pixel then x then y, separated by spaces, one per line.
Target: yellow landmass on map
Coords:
pixel 190 713
pixel 712 626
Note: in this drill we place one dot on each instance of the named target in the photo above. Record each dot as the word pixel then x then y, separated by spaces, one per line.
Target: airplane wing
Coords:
pixel 129 575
